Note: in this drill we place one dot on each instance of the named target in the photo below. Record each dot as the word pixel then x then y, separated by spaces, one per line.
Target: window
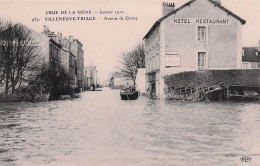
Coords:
pixel 201 33
pixel 201 60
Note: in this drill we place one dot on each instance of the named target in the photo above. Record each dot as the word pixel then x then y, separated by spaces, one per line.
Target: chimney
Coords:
pixel 167 8
pixel 259 44
pixel 58 38
pixel 71 38
pixel 45 29
pixel 218 1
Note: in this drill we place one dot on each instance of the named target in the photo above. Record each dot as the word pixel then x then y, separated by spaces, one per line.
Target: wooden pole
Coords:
pixel 228 94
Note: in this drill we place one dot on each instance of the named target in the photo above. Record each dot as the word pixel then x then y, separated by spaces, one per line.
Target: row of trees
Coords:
pixel 18 56
pixel 22 69
pixel 132 60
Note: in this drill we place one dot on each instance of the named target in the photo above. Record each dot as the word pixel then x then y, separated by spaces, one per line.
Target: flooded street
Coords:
pixel 100 129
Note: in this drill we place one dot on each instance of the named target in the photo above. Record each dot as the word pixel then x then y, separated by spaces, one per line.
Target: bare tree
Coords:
pixel 133 60
pixel 2 69
pixel 18 54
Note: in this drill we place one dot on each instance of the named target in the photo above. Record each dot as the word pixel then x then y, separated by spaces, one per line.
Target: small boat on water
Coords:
pixel 129 94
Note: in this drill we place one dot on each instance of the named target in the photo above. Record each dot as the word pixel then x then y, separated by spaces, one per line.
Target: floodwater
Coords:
pixel 100 129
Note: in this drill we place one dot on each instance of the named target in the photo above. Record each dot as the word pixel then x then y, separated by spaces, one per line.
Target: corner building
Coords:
pixel 199 35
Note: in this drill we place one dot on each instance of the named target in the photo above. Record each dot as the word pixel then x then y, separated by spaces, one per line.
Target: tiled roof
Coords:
pixel 250 54
pixel 188 4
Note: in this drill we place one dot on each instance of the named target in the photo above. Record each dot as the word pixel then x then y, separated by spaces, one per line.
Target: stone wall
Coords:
pixel 248 77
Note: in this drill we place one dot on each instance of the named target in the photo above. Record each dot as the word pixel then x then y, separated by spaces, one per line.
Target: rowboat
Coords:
pixel 129 94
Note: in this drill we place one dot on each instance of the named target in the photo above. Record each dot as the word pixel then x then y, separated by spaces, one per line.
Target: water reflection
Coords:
pixel 100 129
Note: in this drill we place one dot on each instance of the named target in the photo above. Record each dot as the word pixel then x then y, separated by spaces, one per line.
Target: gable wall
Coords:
pixel 223 45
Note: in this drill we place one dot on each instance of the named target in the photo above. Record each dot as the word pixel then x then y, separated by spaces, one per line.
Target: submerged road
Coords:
pixel 100 129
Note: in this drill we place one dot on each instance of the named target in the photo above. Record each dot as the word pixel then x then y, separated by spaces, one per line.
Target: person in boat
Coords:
pixel 133 88
pixel 127 87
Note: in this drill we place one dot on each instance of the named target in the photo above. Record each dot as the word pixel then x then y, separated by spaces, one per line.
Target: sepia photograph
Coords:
pixel 129 83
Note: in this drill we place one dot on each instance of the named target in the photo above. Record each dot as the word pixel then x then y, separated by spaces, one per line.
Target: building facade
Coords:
pixel 87 78
pixel 199 35
pixel 54 53
pixel 71 56
pixel 140 81
pixel 68 61
pixel 80 62
pixel 251 57
pixel 90 77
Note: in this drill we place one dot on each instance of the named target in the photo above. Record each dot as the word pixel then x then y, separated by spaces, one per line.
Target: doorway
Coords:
pixel 152 85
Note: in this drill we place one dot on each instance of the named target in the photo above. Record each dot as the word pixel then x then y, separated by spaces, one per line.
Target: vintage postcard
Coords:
pixel 129 83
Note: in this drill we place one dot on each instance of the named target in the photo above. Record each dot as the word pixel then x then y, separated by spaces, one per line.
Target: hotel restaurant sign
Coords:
pixel 202 21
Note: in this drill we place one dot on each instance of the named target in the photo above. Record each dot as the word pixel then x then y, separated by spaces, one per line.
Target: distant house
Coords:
pixel 251 58
pixel 87 78
pixel 118 81
pixel 90 77
pixel 106 83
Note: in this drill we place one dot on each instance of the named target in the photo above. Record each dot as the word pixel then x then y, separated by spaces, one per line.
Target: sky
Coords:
pixel 104 40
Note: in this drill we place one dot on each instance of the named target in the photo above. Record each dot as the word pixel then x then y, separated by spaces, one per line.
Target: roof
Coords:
pixel 54 42
pixel 77 40
pixel 188 4
pixel 250 54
